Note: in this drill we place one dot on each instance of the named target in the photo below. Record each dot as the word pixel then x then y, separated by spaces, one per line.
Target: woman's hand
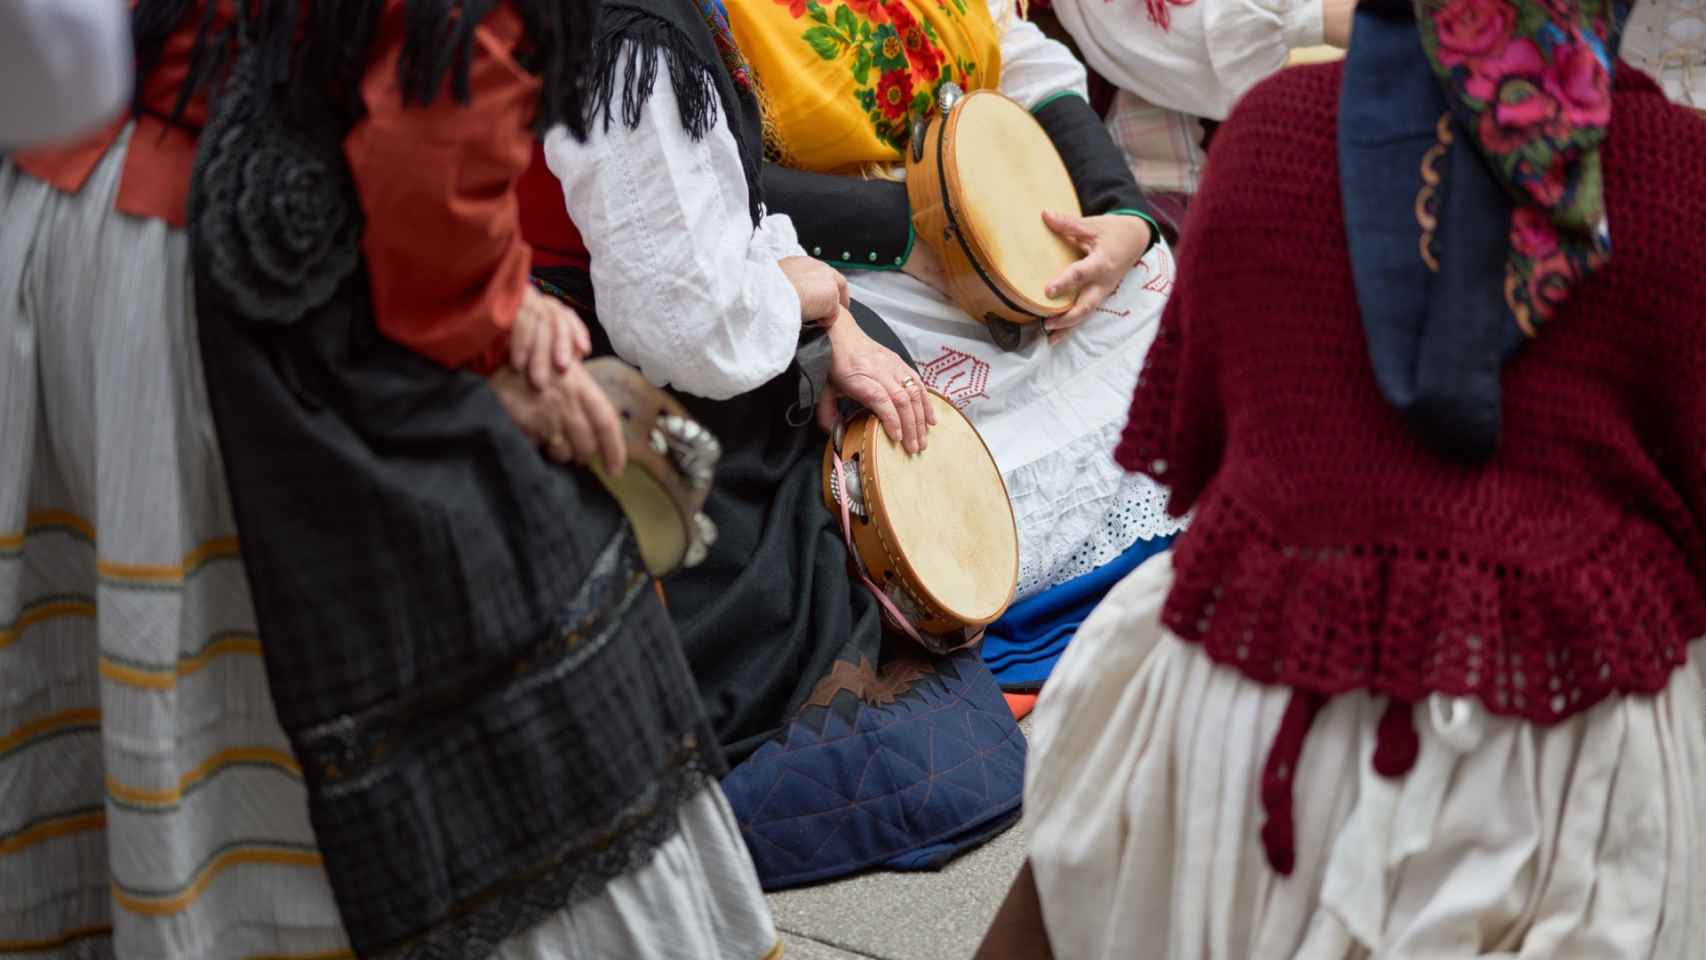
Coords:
pixel 821 288
pixel 570 420
pixel 547 336
pixel 877 377
pixel 925 264
pixel 1112 245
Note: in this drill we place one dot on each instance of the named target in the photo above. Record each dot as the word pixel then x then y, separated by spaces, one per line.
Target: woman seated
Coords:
pixel 1179 66
pixel 473 732
pixel 655 224
pixel 1666 39
pixel 1415 682
pixel 841 82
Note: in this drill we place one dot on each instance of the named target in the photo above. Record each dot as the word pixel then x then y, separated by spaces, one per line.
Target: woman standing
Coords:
pixel 474 731
pixel 1414 683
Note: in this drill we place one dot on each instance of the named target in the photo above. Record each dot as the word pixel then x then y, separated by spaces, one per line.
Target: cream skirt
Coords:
pixel 150 805
pixel 1585 839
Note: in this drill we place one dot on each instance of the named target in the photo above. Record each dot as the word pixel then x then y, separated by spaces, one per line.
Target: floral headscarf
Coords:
pixel 1469 136
pixel 1532 82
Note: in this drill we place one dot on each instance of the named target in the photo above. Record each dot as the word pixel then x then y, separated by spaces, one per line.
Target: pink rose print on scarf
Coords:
pixel 1532 233
pixel 1521 113
pixel 1579 82
pixel 1549 285
pixel 1520 59
pixel 1530 81
pixel 1545 186
pixel 1473 29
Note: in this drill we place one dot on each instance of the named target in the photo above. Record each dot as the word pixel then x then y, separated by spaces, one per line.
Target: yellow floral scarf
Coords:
pixel 841 79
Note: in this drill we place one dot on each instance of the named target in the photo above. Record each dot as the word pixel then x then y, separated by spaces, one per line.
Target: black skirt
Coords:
pixel 807 690
pixel 774 605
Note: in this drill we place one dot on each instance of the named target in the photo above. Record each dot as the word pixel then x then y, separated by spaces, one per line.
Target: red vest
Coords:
pixel 545 222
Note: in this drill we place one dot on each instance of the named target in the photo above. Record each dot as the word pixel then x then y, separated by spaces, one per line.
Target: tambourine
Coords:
pixel 979 174
pixel 671 462
pixel 931 533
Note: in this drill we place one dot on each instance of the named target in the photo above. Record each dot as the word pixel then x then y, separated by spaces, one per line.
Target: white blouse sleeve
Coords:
pixel 1210 54
pixel 1033 67
pixel 65 66
pixel 686 288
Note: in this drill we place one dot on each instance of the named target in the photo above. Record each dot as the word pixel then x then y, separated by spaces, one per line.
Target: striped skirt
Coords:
pixel 150 804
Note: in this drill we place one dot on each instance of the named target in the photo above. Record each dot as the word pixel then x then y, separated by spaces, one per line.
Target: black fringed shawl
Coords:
pixel 337 35
pixel 706 72
pixel 493 715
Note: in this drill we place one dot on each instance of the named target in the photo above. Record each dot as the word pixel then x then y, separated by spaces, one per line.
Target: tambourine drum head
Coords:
pixel 657 521
pixel 948 509
pixel 1009 173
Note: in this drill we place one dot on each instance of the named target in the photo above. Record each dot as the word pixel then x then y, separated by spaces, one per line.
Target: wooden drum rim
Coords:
pixel 948 183
pixel 876 539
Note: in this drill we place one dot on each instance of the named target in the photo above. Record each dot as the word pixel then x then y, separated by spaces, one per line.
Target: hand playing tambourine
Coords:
pixel 547 391
pixel 865 371
pixel 656 460
pixel 1112 246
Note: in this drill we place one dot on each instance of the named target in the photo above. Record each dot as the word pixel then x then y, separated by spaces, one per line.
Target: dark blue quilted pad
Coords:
pixel 906 784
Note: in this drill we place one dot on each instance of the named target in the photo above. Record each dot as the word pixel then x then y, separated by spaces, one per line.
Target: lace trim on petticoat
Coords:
pixel 1077 510
pixel 478 928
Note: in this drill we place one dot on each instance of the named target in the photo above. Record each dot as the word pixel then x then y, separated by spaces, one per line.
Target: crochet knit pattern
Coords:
pixel 1330 551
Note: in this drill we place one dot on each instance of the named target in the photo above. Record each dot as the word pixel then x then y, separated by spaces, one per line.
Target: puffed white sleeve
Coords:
pixel 687 289
pixel 1034 68
pixel 65 67
pixel 1207 56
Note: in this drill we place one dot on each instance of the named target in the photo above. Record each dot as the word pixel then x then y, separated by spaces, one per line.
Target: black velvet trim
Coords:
pixel 851 223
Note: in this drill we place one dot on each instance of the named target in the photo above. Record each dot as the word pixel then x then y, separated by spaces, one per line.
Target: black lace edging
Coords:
pixel 476 928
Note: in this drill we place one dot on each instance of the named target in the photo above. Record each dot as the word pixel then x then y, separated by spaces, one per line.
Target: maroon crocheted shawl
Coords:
pixel 1329 550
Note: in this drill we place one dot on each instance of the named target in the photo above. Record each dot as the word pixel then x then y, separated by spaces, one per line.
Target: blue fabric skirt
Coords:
pixel 1024 645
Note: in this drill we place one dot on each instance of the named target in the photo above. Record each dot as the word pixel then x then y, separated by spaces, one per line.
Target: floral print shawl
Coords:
pixel 841 79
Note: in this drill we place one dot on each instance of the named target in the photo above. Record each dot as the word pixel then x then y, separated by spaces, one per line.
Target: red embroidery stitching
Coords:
pixel 1103 306
pixel 958 376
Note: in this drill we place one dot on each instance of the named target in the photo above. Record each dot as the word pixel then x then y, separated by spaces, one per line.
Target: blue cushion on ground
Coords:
pixel 855 785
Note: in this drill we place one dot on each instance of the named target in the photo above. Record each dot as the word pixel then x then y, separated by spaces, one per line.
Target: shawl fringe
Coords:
pixel 631 47
pixel 337 43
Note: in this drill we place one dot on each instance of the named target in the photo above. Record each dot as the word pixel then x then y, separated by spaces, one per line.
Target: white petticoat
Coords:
pixel 1051 414
pixel 1507 839
pixel 698 899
